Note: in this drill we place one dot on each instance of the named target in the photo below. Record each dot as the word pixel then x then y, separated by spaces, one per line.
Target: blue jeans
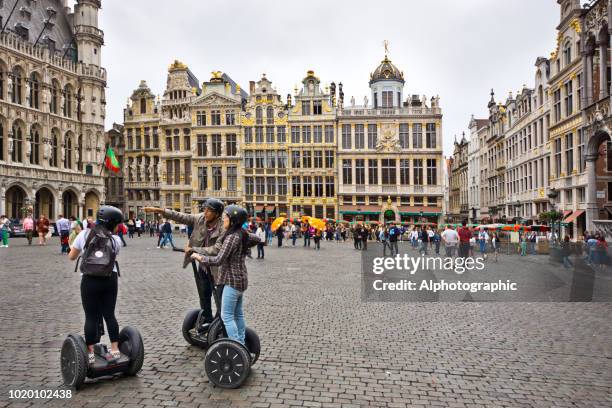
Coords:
pixel 566 262
pixel 167 238
pixel 483 246
pixel 231 313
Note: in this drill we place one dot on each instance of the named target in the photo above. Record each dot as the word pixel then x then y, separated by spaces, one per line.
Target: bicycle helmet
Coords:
pixel 109 216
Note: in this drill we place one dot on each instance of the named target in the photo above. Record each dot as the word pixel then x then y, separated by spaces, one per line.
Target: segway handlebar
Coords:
pixel 177 249
pixel 193 264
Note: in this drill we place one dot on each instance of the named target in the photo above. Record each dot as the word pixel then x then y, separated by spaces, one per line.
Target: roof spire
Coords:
pixel 386 45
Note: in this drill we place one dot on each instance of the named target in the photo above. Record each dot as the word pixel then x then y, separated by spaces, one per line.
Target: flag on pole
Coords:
pixel 110 161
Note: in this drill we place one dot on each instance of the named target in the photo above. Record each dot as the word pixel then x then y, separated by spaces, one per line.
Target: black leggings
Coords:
pixel 99 296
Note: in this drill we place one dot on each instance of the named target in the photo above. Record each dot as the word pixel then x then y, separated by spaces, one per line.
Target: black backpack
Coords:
pixel 99 254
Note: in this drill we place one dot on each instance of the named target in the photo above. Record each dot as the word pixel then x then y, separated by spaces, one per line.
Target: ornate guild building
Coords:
pixel 390 159
pixel 115 182
pixel 52 109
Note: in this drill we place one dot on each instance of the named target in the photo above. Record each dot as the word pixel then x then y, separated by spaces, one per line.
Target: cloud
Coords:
pixel 458 50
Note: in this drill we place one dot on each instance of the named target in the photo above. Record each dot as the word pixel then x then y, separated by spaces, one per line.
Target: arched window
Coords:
pixel 54 143
pixel 17 154
pixel 17 85
pixel 35 147
pixel 567 53
pixel 258 115
pixel 34 91
pixel 55 91
pixel 80 150
pixel 67 101
pixel 270 115
pixel 143 105
pixel 67 151
pixel 540 96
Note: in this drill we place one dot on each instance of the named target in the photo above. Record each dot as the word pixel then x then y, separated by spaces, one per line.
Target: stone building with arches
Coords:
pixel 52 109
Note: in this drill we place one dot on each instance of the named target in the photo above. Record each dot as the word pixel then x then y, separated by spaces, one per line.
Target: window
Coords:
pixel 417 136
pixel 34 91
pixel 388 172
pixel 318 160
pixel 359 171
pixel 430 136
pixel 295 159
pixel 318 186
pixel 259 115
pixel 230 144
pixel 282 186
pixel 305 107
pixel 346 137
pixel 558 157
pixel 216 173
pixel 295 134
pixel 248 135
pixel 579 82
pixel 187 170
pixel 270 186
pixel 177 171
pixel 330 187
pixel 404 172
pixel 147 138
pixel 317 107
pixel 581 159
pixel 296 187
pixel 347 172
pixel 432 172
pixel 202 145
pixel 281 137
pixel 186 142
pixel 137 138
pixel 17 153
pixel 67 152
pixel 569 153
pixel 317 134
pixel 329 159
pixel 270 159
pixel 176 145
pixel 259 138
pixel 67 101
pixel 270 115
pixel 569 100
pixel 417 165
pixel 55 97
pixel 372 136
pixel 232 178
pixel 215 118
pixel 307 159
pixel 373 172
pixel 249 162
pixel 34 151
pixel 282 159
pixel 230 118
pixel 17 86
pixel 169 171
pixel 557 105
pixel 403 135
pixel 329 134
pixel 307 186
pixel 567 53
pixel 216 146
pixel 387 99
pixel 143 105
pixel 201 118
pixel 359 136
pixel 306 134
pixel 260 159
pixel 269 134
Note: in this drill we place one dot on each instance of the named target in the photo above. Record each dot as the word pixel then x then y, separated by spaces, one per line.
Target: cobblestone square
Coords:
pixel 321 346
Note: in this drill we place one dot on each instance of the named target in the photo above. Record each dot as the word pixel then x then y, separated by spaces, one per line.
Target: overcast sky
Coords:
pixel 458 50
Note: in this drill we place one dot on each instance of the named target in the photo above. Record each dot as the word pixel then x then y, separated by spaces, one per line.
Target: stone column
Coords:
pixel 591 192
pixel 588 77
pixel 603 69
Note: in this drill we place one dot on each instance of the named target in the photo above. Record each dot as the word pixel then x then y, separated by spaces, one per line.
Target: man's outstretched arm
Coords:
pixel 181 218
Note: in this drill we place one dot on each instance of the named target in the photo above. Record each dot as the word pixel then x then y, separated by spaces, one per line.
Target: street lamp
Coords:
pixel 552 196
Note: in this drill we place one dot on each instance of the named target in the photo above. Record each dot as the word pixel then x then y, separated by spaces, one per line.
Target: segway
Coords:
pixel 227 362
pixel 74 358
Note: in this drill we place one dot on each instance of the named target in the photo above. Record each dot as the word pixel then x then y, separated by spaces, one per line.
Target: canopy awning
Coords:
pixel 573 216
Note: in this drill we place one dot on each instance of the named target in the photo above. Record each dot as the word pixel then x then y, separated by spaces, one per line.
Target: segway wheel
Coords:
pixel 74 362
pixel 130 344
pixel 251 339
pixel 189 324
pixel 252 343
pixel 227 364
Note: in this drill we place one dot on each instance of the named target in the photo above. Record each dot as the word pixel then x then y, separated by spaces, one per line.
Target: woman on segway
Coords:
pixel 99 293
pixel 235 244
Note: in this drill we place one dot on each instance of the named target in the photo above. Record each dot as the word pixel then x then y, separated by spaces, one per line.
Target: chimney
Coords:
pixel 251 87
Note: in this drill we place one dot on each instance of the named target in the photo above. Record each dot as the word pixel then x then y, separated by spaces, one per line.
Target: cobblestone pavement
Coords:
pixel 321 346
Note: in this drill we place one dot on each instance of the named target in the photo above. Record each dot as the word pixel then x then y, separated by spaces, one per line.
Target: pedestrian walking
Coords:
pixel 317 239
pixel 383 237
pixel 451 240
pixel 138 225
pixel 601 252
pixel 464 240
pixel 483 239
pixel 279 235
pixel 28 227
pixel 42 226
pixel 393 232
pixel 306 233
pixel 5 227
pixel 565 252
pixel 495 243
pixel 261 233
pixel 75 230
pixel 436 240
pixel 121 230
pixel 63 227
pixel 131 228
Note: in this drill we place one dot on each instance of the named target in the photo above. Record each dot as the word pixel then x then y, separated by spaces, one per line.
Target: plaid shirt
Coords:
pixel 230 260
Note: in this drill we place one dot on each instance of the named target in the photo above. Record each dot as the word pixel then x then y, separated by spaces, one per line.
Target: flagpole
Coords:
pixel 104 158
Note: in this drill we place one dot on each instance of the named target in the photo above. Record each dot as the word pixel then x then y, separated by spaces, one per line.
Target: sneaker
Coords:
pixel 91 358
pixel 116 354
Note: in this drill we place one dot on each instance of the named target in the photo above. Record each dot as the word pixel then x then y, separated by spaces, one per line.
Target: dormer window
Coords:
pixel 22 30
pixel 25 12
pixel 567 53
pixel 50 44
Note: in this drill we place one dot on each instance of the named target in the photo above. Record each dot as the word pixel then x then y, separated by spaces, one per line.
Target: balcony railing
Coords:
pixel 389 111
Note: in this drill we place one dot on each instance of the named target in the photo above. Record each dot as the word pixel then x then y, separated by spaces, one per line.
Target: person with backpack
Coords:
pixel 98 249
pixel 230 259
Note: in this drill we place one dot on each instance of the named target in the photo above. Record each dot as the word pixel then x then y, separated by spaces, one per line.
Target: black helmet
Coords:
pixel 109 216
pixel 214 204
pixel 236 214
